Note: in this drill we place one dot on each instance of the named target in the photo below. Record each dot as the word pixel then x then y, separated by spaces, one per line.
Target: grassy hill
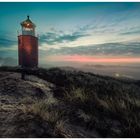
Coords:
pixel 67 103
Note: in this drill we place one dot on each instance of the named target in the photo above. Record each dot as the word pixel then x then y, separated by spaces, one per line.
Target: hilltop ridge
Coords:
pixel 67 103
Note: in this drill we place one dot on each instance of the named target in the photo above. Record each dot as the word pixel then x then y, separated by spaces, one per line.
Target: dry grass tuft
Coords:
pixel 45 109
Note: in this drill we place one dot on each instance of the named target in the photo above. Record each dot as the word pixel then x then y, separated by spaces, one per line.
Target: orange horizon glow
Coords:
pixel 92 59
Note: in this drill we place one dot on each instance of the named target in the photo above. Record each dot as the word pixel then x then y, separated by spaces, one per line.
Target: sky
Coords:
pixel 84 32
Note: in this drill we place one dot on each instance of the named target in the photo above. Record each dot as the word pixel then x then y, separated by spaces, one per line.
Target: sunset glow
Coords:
pixel 92 59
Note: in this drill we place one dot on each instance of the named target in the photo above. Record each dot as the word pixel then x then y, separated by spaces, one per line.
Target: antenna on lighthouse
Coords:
pixel 28 17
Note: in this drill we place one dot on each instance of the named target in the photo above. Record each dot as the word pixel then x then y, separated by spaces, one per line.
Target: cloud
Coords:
pixel 99 30
pixel 4 42
pixel 52 38
pixel 131 32
pixel 109 49
pixel 127 21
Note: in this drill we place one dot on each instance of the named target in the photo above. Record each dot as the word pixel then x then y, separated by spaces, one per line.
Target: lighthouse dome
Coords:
pixel 27 23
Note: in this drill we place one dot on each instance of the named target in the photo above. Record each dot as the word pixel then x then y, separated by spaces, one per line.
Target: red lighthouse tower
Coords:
pixel 28 45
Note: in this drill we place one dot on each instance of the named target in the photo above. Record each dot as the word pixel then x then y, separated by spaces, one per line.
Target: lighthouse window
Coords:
pixel 28 29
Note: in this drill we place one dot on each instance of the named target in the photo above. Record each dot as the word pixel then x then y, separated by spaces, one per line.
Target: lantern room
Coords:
pixel 28 27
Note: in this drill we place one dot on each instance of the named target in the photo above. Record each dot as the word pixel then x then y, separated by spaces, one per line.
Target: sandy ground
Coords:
pixel 13 92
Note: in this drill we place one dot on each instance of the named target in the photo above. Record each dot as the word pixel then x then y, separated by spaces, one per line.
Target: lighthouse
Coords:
pixel 28 45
